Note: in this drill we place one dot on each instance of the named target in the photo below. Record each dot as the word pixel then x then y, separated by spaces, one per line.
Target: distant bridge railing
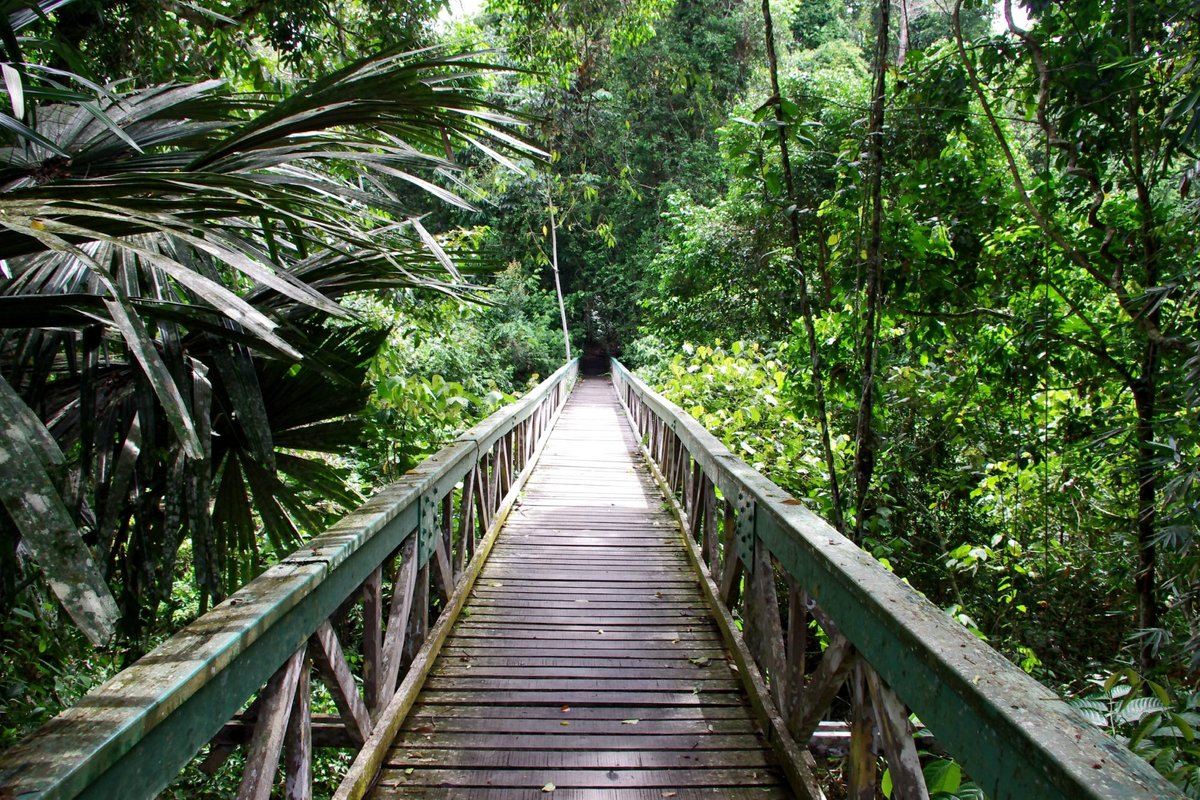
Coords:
pixel 130 737
pixel 887 645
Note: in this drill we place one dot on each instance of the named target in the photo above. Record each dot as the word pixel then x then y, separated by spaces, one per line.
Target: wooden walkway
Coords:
pixel 585 664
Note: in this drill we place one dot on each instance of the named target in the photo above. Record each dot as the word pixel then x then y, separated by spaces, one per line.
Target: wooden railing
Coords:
pixel 363 585
pixel 779 568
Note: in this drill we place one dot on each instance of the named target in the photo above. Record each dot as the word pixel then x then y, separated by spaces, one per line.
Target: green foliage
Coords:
pixel 1153 719
pixel 45 665
pixel 257 45
pixel 818 22
pixel 739 393
pixel 449 365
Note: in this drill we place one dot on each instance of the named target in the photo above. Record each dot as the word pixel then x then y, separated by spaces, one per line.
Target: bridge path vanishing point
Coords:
pixel 585 662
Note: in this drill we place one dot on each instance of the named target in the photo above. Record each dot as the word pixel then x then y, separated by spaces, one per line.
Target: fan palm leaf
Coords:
pixel 165 254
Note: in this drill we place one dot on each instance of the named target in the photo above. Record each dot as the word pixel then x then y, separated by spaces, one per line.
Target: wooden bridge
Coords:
pixel 578 598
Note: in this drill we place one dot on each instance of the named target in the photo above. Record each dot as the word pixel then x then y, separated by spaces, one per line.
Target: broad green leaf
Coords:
pixel 47 531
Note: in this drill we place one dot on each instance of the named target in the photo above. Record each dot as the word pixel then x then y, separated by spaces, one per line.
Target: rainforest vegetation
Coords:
pixel 930 265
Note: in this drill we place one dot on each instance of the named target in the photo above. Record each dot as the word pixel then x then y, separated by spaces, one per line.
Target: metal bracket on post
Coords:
pixel 427 529
pixel 744 528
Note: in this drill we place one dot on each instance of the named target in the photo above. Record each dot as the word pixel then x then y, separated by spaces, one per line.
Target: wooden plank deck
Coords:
pixel 585 664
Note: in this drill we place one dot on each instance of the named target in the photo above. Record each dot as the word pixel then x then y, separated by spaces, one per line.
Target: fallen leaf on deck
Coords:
pixel 669 794
pixel 600 631
pixel 496 583
pixel 565 709
pixel 549 787
pixel 408 771
pixel 700 661
pixel 793 502
pixel 629 722
pixel 564 722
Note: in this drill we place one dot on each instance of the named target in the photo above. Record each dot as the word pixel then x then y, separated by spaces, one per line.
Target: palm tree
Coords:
pixel 170 264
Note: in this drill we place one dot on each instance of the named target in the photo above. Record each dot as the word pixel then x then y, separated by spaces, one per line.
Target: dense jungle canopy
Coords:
pixel 930 265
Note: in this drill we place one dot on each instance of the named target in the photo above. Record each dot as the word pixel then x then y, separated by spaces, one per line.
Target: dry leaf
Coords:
pixel 670 793
pixel 565 709
pixel 791 501
pixel 549 787
pixel 564 722
pixel 700 661
pixel 629 722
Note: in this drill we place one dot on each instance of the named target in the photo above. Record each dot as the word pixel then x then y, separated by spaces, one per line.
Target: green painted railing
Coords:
pixel 889 649
pixel 130 737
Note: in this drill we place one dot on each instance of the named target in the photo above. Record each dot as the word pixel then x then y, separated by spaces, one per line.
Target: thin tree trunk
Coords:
pixel 562 309
pixel 806 311
pixel 864 436
pixel 902 47
pixel 1145 389
pixel 1147 499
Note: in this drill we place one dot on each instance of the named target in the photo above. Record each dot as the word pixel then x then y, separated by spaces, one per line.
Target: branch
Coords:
pixel 1077 256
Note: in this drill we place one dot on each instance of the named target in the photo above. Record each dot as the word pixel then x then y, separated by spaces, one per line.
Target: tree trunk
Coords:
pixel 864 436
pixel 1147 497
pixel 1145 389
pixel 902 47
pixel 806 311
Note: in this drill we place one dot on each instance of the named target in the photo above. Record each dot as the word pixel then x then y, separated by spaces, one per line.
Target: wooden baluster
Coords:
pixel 797 648
pixel 695 506
pixel 494 495
pixel 837 662
pixel 448 537
pixel 418 617
pixel 908 781
pixel 691 495
pixel 482 512
pixel 334 670
pixel 731 568
pixel 861 777
pixel 372 648
pixel 443 571
pixel 298 760
pixel 763 629
pixel 500 465
pixel 266 743
pixel 669 455
pixel 682 458
pixel 466 521
pixel 519 448
pixel 397 627
pixel 711 541
pixel 506 464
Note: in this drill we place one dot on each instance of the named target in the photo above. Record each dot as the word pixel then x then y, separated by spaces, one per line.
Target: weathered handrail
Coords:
pixel 130 737
pixel 1015 737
